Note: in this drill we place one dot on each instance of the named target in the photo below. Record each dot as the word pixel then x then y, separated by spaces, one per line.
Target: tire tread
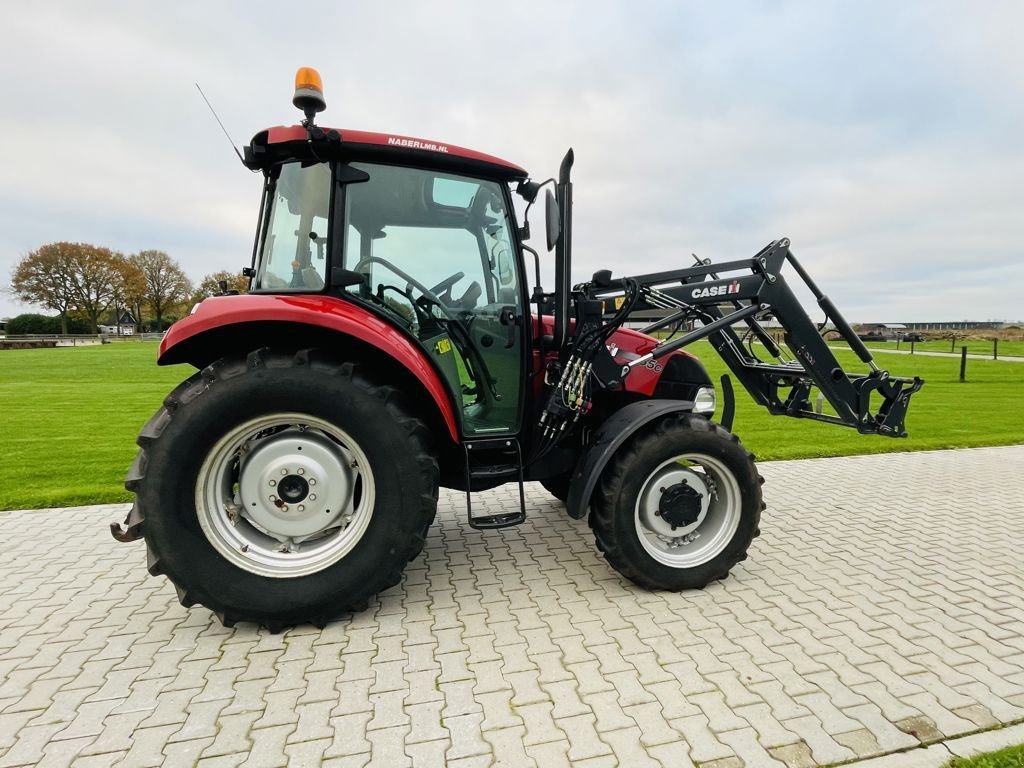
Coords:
pixel 417 436
pixel 603 506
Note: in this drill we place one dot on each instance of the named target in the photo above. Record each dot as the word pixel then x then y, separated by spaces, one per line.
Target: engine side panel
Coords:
pixel 653 379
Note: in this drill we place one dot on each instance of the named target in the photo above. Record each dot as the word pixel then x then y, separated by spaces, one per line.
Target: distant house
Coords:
pixel 958 325
pixel 126 325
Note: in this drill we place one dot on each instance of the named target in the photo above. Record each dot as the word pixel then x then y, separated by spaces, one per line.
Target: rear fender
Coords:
pixel 224 324
pixel 610 436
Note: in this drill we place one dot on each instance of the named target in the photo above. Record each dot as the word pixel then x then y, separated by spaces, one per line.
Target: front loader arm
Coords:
pixel 783 386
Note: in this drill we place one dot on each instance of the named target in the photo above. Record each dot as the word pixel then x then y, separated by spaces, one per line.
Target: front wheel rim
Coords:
pixel 285 495
pixel 707 526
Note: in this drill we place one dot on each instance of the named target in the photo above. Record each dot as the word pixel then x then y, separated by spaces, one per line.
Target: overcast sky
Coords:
pixel 884 139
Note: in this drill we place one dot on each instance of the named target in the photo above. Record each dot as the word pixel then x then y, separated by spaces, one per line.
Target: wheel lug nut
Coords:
pixel 284 471
pixel 301 471
pixel 312 481
pixel 272 483
pixel 312 497
pixel 301 508
pixel 273 497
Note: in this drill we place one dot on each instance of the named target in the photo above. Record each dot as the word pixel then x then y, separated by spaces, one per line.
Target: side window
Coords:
pixel 436 251
pixel 293 256
pixel 499 248
pixel 433 256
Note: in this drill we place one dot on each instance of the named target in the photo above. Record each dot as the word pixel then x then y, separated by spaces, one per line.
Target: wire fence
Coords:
pixel 30 340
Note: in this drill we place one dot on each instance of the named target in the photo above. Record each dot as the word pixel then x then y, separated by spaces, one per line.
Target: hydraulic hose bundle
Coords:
pixel 572 380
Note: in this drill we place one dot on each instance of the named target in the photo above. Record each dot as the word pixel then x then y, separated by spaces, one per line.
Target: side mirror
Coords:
pixel 552 218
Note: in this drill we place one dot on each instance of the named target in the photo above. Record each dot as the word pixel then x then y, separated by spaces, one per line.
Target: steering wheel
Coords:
pixel 433 297
pixel 475 358
pixel 444 288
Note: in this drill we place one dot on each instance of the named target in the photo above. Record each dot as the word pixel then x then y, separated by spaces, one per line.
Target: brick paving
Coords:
pixel 881 610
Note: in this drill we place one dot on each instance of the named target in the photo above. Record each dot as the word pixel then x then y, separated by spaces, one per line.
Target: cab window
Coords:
pixel 435 250
pixel 293 253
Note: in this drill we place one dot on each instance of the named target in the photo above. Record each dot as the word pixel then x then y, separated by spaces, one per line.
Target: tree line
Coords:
pixel 82 283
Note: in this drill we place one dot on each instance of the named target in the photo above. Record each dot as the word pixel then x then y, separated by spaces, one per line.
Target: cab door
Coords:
pixel 436 252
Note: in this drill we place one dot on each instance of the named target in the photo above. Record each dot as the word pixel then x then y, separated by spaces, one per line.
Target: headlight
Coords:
pixel 705 401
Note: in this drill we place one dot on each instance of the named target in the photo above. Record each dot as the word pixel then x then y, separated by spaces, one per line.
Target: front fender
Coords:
pixel 623 424
pixel 220 313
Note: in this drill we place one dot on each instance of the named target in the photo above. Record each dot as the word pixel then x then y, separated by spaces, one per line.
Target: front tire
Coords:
pixel 283 489
pixel 678 506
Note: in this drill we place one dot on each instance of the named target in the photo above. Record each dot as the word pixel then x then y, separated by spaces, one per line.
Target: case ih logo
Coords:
pixel 413 144
pixel 716 290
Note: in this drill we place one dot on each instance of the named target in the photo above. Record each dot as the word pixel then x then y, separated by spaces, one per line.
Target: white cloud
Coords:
pixel 884 140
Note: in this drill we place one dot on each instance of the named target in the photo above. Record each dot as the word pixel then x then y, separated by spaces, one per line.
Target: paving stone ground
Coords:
pixel 881 610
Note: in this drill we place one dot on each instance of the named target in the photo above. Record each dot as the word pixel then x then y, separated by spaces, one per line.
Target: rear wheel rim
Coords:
pixel 285 495
pixel 694 542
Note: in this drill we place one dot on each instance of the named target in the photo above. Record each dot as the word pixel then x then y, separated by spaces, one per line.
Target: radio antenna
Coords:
pixel 214 113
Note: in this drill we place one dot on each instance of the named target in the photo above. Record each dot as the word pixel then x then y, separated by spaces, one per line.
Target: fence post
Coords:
pixel 912 342
pixel 963 363
pixel 995 348
pixel 952 343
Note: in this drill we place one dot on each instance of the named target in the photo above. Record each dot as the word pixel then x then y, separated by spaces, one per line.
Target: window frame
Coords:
pixel 528 365
pixel 273 175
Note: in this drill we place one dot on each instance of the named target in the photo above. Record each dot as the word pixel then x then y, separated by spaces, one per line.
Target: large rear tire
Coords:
pixel 283 489
pixel 678 506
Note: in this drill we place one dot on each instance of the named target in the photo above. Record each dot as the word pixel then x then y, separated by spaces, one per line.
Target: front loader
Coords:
pixel 395 339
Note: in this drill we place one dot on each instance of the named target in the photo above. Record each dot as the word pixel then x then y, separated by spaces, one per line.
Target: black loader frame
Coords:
pixel 712 306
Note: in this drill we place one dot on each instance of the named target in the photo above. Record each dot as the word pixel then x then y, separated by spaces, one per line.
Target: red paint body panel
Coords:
pixel 284 133
pixel 322 311
pixel 632 344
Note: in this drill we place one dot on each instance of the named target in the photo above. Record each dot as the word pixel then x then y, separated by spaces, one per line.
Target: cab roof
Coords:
pixel 292 142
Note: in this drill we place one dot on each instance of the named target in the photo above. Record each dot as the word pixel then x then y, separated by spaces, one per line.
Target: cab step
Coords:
pixel 499 458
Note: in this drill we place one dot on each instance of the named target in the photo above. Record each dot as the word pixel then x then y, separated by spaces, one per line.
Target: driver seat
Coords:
pixel 469 299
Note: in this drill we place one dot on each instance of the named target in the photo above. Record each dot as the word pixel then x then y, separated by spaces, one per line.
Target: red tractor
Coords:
pixel 389 345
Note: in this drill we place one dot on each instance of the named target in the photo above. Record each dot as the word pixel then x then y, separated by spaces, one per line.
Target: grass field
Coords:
pixel 69 416
pixel 1010 757
pixel 68 420
pixel 974 346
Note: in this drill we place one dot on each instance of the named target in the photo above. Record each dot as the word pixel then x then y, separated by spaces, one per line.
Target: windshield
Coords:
pixel 293 255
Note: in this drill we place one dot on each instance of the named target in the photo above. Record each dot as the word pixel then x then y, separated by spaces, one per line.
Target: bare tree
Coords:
pixel 45 277
pixel 166 284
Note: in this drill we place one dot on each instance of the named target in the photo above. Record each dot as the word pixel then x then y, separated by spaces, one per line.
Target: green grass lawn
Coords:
pixel 974 346
pixel 946 413
pixel 68 420
pixel 1010 757
pixel 69 416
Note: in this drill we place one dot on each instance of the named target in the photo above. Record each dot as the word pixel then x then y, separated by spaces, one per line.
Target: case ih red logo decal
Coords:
pixel 414 144
pixel 716 290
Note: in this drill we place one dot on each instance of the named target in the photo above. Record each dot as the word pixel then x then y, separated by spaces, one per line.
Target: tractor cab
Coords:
pixel 419 233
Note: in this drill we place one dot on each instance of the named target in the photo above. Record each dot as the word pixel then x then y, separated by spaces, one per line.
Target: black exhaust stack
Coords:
pixel 563 252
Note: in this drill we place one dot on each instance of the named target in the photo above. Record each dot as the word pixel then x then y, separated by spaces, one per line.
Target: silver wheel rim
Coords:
pixel 285 495
pixel 703 539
